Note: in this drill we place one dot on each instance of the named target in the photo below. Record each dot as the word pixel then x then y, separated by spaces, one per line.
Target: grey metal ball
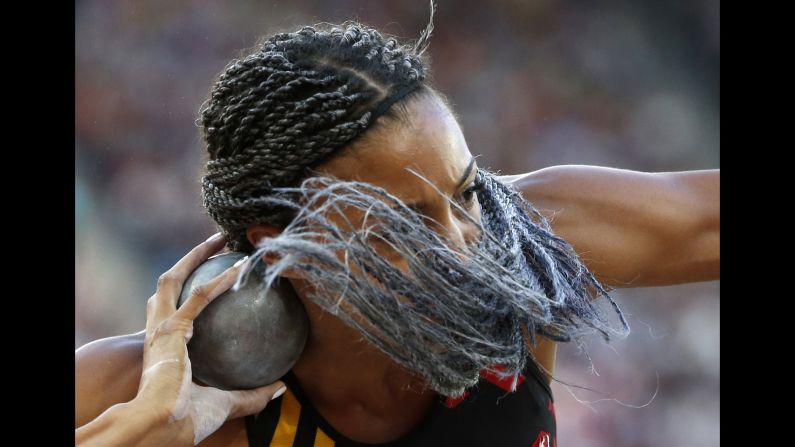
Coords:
pixel 246 338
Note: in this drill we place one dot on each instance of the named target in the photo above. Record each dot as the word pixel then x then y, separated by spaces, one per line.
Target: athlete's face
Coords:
pixel 447 307
pixel 430 143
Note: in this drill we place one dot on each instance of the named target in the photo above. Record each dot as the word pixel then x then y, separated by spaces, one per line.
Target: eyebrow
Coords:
pixel 466 173
pixel 416 206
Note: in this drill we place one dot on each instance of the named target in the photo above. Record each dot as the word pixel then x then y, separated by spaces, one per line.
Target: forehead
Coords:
pixel 430 143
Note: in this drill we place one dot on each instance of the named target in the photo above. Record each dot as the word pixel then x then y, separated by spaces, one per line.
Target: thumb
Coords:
pixel 246 402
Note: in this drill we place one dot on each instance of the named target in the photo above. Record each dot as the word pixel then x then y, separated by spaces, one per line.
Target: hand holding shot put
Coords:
pixel 169 408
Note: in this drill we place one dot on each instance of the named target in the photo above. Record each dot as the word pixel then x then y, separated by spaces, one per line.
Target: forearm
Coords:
pixel 128 425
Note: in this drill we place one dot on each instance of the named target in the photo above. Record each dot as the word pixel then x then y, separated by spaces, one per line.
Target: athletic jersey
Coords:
pixel 488 415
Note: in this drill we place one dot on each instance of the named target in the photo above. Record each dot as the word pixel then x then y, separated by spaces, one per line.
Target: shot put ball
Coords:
pixel 246 338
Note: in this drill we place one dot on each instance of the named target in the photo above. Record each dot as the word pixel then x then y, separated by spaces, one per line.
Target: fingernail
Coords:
pixel 240 261
pixel 279 392
pixel 214 237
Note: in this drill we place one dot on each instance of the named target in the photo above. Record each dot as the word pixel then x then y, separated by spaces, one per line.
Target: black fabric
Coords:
pixel 260 428
pixel 307 427
pixel 489 416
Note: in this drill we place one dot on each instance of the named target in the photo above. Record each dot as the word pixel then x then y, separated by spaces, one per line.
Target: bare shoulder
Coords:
pixel 107 372
pixel 545 353
pixel 509 179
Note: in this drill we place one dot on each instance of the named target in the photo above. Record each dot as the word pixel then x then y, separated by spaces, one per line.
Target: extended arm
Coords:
pixel 633 229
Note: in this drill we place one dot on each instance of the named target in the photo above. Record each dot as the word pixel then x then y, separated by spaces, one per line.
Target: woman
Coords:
pixel 347 103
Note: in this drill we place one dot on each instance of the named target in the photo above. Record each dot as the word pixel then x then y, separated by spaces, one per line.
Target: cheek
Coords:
pixel 400 263
pixel 389 254
pixel 472 231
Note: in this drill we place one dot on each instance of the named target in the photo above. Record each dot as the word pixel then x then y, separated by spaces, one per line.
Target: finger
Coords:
pixel 185 266
pixel 169 286
pixel 246 402
pixel 204 294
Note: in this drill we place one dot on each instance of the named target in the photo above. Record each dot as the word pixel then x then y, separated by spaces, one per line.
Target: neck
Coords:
pixel 339 366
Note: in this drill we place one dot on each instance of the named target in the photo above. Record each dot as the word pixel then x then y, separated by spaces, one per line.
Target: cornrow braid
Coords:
pixel 288 107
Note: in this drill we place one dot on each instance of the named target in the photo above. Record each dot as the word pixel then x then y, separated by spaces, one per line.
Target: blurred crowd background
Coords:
pixel 630 84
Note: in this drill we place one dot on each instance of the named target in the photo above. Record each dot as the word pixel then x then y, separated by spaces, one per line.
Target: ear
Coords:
pixel 256 233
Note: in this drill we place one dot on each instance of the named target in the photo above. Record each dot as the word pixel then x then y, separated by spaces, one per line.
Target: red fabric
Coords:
pixel 543 440
pixel 452 402
pixel 491 377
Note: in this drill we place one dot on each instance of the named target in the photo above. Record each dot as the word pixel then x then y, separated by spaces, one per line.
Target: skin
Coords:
pixel 168 407
pixel 632 229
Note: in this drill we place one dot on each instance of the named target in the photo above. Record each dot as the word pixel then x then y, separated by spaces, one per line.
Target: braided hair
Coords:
pixel 291 105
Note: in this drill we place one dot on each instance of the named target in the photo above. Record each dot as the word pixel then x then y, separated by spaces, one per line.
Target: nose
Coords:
pixel 458 230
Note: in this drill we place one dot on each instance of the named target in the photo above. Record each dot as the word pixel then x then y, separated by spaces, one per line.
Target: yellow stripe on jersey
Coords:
pixel 284 435
pixel 322 439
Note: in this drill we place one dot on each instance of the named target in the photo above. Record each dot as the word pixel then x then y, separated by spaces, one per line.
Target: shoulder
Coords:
pixel 508 179
pixel 107 372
